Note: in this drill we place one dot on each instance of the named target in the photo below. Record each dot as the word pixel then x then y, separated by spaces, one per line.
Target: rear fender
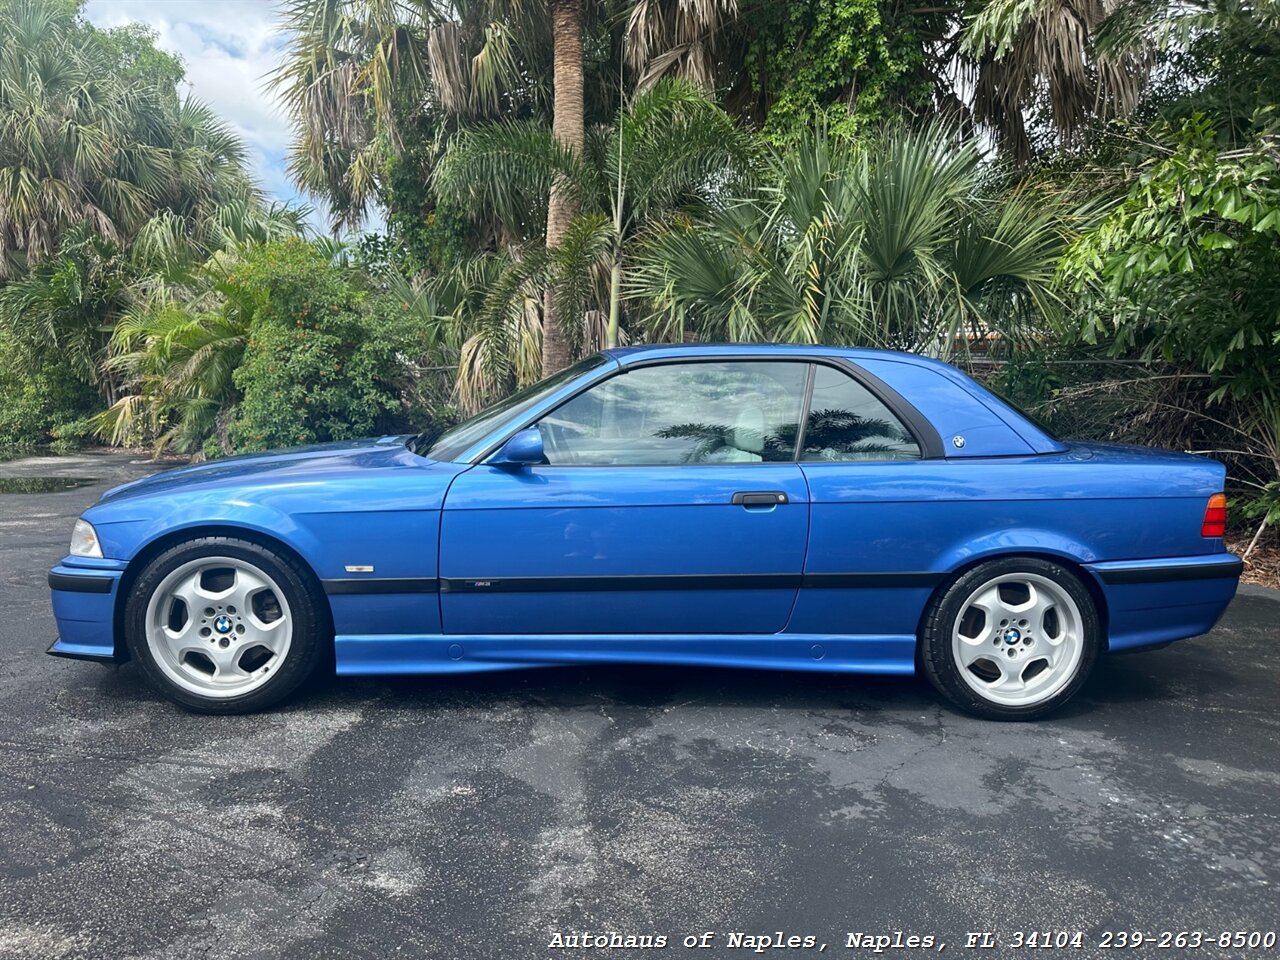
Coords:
pixel 1028 542
pixel 963 554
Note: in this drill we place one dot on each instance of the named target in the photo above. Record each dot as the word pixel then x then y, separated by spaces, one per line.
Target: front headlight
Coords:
pixel 84 540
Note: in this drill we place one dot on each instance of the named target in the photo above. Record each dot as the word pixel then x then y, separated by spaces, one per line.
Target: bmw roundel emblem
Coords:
pixel 957 441
pixel 222 624
pixel 1012 635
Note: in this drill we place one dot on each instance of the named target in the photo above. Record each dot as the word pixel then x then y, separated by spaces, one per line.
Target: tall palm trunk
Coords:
pixel 567 126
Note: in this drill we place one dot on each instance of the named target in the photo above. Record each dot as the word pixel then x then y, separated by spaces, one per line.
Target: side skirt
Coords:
pixel 365 655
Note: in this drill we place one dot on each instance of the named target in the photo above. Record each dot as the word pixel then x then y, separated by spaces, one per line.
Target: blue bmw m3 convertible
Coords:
pixel 803 508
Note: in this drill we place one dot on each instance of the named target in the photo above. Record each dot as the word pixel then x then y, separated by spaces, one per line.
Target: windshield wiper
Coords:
pixel 422 441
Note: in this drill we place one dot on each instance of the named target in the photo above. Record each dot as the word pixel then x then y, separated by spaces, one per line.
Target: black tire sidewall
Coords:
pixel 301 593
pixel 939 663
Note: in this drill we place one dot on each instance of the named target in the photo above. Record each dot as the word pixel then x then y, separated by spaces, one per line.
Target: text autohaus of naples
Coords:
pixel 738 940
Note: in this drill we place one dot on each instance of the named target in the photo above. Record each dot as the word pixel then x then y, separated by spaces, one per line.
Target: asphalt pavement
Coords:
pixel 483 817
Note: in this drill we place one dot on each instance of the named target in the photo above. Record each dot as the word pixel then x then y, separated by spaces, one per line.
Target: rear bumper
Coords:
pixel 1152 602
pixel 84 603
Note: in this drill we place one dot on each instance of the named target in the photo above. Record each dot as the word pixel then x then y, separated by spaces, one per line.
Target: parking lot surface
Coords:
pixel 483 816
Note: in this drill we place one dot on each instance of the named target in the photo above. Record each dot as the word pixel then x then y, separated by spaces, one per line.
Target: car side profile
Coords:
pixel 780 507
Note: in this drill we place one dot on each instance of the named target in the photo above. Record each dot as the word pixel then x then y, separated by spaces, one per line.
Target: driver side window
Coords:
pixel 679 413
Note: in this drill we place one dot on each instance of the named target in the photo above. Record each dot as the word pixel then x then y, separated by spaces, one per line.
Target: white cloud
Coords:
pixel 228 48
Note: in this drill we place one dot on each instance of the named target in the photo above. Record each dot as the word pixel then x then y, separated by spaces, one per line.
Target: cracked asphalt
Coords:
pixel 476 817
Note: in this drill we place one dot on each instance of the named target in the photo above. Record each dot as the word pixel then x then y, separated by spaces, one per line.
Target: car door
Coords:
pixel 670 503
pixel 874 534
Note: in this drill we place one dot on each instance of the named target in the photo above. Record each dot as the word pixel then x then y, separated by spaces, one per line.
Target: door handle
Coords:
pixel 759 498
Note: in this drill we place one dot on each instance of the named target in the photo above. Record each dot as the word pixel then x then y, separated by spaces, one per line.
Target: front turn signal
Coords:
pixel 1215 517
pixel 84 540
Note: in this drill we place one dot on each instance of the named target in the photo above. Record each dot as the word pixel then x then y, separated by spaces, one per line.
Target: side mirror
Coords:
pixel 522 450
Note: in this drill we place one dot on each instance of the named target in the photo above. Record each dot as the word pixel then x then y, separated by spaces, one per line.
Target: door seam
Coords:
pixel 804 557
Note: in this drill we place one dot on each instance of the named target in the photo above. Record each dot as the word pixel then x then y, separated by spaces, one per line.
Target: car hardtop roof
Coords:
pixel 673 351
pixel 1026 436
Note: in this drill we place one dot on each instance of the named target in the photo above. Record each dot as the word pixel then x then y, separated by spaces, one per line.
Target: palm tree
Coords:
pixel 175 352
pixel 568 129
pixel 670 149
pixel 359 71
pixel 67 303
pixel 493 304
pixel 70 133
pixel 112 184
pixel 112 187
pixel 673 38
pixel 182 332
pixel 91 138
pixel 361 76
pixel 347 64
pixel 898 242
pixel 1020 58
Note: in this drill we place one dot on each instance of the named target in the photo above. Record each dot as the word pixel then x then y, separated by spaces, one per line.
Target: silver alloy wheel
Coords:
pixel 219 627
pixel 1018 639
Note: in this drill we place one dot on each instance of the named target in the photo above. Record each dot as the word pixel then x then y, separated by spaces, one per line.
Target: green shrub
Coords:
pixel 37 396
pixel 315 368
pixel 72 435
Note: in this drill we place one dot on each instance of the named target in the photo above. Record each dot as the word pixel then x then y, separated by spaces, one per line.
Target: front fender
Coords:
pixel 380 528
pixel 126 539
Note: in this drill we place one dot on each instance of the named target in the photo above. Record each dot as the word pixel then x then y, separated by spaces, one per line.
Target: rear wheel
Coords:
pixel 222 625
pixel 1012 639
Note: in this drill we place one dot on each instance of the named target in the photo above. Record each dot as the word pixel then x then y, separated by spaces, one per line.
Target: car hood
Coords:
pixel 274 466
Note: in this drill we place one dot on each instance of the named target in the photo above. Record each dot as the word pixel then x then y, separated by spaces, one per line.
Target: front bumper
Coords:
pixel 1152 602
pixel 84 603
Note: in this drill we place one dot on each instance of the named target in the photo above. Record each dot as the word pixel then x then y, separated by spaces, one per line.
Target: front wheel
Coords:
pixel 222 625
pixel 1011 639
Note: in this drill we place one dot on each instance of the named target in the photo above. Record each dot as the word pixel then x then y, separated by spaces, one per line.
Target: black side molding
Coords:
pixel 731 581
pixel 381 585
pixel 77 583
pixel 922 578
pixel 1173 574
pixel 728 581
pixel 698 581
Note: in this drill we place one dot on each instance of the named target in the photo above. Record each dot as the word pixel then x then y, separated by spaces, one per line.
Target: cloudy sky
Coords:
pixel 228 46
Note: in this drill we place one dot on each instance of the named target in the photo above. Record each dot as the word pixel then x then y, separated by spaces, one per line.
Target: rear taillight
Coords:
pixel 1215 517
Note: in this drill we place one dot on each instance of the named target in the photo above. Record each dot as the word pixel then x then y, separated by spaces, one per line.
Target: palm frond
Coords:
pixel 666 38
pixel 1027 53
pixel 505 170
pixel 896 241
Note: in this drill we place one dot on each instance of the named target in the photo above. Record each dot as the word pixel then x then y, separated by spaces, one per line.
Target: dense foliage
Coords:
pixel 111 186
pixel 39 397
pixel 1183 271
pixel 1078 199
pixel 668 152
pixel 94 133
pixel 845 65
pixel 897 240
pixel 315 363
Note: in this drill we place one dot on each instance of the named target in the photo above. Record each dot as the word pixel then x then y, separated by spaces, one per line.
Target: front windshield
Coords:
pixel 456 440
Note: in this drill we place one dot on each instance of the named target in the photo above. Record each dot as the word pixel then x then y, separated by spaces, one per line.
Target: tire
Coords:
pixel 1011 639
pixel 223 625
